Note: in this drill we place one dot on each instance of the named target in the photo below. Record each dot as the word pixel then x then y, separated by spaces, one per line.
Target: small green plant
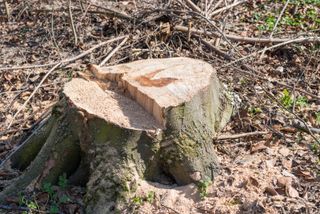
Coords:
pixel 203 187
pixel 286 99
pixel 48 188
pixel 69 74
pixel 270 22
pixel 55 198
pixel 63 181
pixel 139 200
pixel 233 202
pixel 315 148
pixel 254 110
pixel 302 101
pixel 305 15
pixel 256 16
pixel 150 197
pixel 54 208
pixel 32 205
pixel 243 81
pixel 318 118
pixel 261 27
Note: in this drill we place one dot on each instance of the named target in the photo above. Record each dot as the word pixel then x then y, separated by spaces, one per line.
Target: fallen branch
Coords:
pixel 67 60
pixel 236 136
pixel 299 125
pixel 227 7
pixel 253 71
pixel 113 51
pixel 312 39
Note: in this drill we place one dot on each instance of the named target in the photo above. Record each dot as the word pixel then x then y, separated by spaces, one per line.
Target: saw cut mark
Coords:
pixel 147 80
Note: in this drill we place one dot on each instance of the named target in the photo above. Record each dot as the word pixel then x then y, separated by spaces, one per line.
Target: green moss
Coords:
pixel 104 132
pixel 186 146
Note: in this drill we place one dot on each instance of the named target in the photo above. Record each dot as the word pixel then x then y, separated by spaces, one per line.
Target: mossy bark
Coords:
pixel 110 159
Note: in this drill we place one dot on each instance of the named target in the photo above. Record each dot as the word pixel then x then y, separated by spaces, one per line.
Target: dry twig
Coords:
pixel 113 51
pixel 6 5
pixel 52 32
pixel 216 5
pixel 193 6
pixel 227 7
pixel 72 24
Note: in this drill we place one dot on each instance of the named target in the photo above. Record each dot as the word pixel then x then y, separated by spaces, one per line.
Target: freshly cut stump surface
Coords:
pixel 160 84
pixel 109 106
pixel 149 120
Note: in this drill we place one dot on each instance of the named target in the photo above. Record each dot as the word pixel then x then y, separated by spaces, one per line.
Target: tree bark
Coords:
pixel 150 120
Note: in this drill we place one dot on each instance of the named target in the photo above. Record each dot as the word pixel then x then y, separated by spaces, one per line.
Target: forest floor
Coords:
pixel 276 170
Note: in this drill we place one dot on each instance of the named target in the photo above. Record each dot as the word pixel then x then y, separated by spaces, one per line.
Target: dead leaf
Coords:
pixel 25 95
pixel 284 151
pixel 288 174
pixel 306 175
pixel 258 147
pixel 270 163
pixel 270 191
pixel 284 181
pixel 34 78
pixel 288 129
pixel 253 181
pixel 291 192
pixel 287 164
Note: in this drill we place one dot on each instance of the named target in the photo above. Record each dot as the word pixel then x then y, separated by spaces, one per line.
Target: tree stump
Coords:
pixel 150 120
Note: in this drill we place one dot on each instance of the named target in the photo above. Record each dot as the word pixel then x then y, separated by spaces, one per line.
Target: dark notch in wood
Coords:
pixel 147 80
